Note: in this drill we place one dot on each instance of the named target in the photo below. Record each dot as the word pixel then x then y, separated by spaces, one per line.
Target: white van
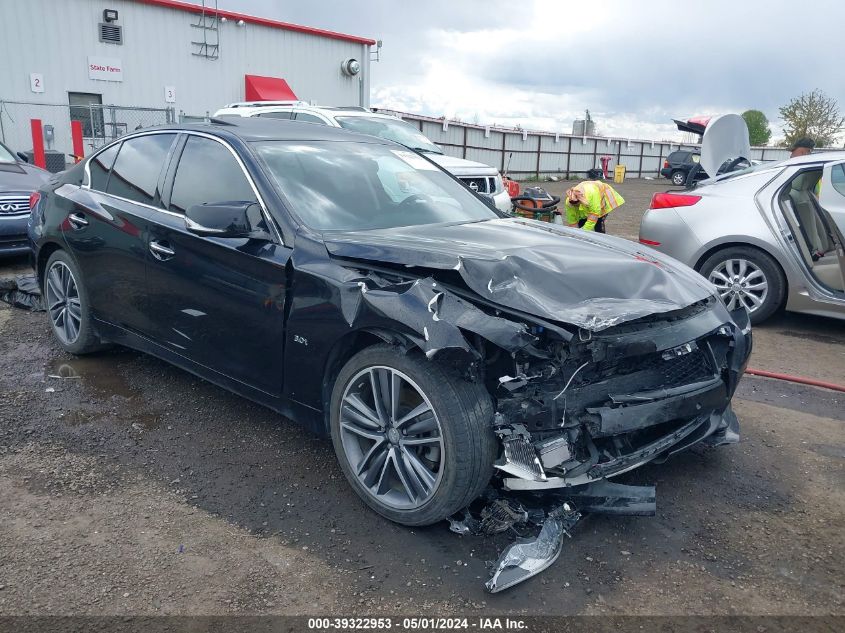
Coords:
pixel 478 176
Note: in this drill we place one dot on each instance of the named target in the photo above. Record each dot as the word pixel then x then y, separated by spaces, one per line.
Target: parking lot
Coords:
pixel 129 486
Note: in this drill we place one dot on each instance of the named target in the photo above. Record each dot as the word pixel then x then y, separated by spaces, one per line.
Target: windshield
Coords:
pixel 6 155
pixel 391 129
pixel 355 186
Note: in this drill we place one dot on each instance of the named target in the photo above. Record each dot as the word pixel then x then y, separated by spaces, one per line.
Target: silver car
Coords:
pixel 767 237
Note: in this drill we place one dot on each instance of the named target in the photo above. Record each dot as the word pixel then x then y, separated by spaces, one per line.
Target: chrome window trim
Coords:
pixel 264 213
pixel 86 181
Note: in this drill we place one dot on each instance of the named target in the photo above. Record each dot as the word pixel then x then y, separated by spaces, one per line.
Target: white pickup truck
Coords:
pixel 478 176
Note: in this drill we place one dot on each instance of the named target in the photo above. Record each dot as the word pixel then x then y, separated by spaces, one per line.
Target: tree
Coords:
pixel 814 115
pixel 758 127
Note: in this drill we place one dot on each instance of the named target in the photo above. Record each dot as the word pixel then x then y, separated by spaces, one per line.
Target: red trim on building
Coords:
pixel 258 88
pixel 231 15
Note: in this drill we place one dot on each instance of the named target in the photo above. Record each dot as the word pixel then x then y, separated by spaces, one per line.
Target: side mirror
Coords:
pixel 23 156
pixel 226 219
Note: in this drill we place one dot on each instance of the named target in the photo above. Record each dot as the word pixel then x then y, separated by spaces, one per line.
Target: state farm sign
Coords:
pixel 105 69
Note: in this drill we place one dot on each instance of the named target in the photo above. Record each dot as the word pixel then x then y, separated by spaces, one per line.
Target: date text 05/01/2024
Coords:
pixel 415 624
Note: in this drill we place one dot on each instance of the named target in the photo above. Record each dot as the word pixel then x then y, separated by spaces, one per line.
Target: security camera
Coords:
pixel 350 67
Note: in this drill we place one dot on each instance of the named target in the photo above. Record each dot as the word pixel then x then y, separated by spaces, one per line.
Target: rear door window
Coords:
pixel 276 114
pixel 135 175
pixel 208 173
pixel 100 166
pixel 309 118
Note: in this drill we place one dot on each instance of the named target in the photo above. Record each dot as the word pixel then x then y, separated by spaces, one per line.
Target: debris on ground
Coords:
pixel 22 292
pixel 528 557
pixel 555 513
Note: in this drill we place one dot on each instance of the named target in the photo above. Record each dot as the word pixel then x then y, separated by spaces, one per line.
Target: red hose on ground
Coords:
pixel 798 379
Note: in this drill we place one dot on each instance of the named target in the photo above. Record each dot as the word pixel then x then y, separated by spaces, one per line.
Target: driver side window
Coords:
pixel 208 173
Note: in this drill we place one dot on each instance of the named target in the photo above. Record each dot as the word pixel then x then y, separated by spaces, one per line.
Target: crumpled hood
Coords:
pixel 21 177
pixel 589 280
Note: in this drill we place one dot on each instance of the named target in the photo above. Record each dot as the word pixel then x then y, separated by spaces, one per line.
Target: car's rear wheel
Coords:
pixel 679 177
pixel 67 305
pixel 746 278
pixel 413 440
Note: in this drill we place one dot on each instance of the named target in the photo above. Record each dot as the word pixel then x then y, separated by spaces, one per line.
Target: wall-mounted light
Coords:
pixel 350 67
pixel 109 15
pixel 224 19
pixel 240 23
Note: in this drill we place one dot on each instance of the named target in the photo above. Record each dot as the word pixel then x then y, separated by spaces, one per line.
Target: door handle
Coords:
pixel 77 220
pixel 161 250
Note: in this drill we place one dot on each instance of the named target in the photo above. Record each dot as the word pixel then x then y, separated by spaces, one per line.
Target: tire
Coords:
pixel 74 335
pixel 459 466
pixel 679 177
pixel 751 267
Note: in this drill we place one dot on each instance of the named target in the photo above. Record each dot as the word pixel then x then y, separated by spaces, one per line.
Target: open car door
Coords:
pixel 832 209
pixel 832 194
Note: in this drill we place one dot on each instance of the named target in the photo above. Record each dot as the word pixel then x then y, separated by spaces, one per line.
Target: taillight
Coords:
pixel 672 200
pixel 666 164
pixel 34 197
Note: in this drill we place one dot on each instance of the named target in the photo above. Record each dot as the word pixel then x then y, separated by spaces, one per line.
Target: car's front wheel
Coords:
pixel 414 441
pixel 746 278
pixel 67 305
pixel 678 177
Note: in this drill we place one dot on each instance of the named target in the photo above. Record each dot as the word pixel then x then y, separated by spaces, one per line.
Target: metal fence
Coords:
pixel 100 124
pixel 533 154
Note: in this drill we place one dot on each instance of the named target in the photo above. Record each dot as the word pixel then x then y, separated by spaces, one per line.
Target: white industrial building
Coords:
pixel 157 60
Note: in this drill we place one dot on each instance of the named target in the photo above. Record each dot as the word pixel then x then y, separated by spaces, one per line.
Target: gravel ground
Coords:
pixel 132 487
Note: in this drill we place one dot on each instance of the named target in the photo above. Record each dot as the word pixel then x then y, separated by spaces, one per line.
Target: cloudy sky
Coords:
pixel 540 63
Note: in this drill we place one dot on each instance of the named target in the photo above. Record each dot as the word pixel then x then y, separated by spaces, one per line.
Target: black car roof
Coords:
pixel 267 129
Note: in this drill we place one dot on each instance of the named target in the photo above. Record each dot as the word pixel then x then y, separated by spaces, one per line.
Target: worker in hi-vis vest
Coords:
pixel 589 202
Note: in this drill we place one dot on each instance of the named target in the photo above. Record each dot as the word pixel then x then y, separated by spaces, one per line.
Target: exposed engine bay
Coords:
pixel 606 402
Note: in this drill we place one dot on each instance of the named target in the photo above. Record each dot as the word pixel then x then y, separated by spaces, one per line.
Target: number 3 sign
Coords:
pixel 170 94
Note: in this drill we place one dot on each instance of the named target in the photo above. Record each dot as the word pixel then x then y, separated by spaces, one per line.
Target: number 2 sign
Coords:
pixel 36 82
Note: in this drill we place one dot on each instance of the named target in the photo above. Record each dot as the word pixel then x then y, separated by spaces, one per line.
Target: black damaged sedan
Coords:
pixel 352 285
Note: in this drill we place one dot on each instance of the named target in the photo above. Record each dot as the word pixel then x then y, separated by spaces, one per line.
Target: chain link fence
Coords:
pixel 101 124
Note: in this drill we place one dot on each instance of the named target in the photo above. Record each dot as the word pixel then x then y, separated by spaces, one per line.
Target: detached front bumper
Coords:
pixel 625 425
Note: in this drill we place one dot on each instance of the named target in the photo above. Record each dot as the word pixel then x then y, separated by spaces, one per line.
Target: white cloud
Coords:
pixel 540 63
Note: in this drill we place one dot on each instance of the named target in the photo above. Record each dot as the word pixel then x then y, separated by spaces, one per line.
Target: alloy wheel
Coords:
pixel 740 282
pixel 63 302
pixel 391 437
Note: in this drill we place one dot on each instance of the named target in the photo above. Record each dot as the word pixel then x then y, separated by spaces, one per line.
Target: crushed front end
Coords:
pixel 606 402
